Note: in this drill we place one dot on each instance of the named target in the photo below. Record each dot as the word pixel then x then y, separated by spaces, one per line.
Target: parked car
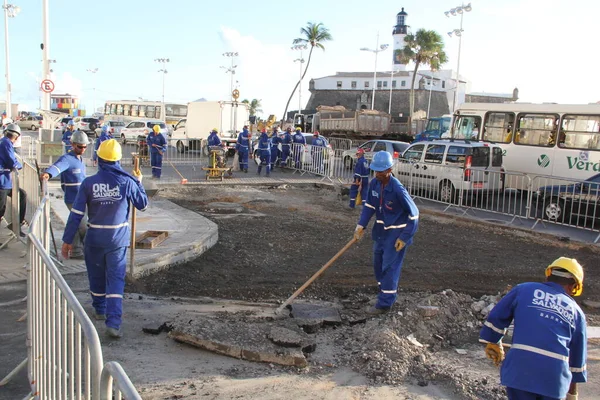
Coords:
pixel 306 157
pixel 444 167
pixel 86 124
pixel 566 203
pixel 395 148
pixel 63 123
pixel 141 127
pixel 114 126
pixel 32 123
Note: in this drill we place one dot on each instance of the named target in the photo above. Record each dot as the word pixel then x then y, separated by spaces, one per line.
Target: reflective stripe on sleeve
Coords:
pixel 395 226
pixel 72 184
pixel 77 211
pixel 370 206
pixel 492 327
pixel 53 166
pixel 483 341
pixel 108 226
pixel 379 221
pixel 389 291
pixel 114 296
pixel 413 218
pixel 540 351
pixel 582 369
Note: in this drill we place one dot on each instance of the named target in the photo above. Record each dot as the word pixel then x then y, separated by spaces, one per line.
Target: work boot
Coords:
pixel 114 333
pixel 99 317
pixel 377 311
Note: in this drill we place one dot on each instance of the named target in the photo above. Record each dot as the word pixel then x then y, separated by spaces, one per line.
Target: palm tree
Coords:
pixel 315 35
pixel 423 48
pixel 254 106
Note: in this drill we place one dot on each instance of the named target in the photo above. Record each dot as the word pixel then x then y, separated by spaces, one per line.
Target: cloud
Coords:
pixel 67 83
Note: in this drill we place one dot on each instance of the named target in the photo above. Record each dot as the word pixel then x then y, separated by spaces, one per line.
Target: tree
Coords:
pixel 315 35
pixel 254 106
pixel 423 48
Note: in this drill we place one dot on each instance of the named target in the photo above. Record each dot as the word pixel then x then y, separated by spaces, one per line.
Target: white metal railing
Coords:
pixel 123 388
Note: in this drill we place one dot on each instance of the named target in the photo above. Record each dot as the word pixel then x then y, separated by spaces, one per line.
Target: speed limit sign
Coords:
pixel 47 86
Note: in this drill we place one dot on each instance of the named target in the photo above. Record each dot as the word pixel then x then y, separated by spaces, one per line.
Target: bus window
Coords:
pixel 134 110
pixel 467 127
pixel 107 109
pixel 158 113
pixel 127 109
pixel 498 127
pixel 176 110
pixel 580 132
pixel 150 111
pixel 119 109
pixel 142 111
pixel 113 109
pixel 536 130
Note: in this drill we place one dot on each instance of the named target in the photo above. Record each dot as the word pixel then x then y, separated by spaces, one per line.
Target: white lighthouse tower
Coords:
pixel 400 31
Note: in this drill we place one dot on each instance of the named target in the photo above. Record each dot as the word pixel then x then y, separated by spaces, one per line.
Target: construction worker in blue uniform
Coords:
pixel 396 222
pixel 213 142
pixel 547 357
pixel 286 146
pixel 361 179
pixel 71 168
pixel 105 134
pixel 264 150
pixel 158 145
pixel 318 149
pixel 68 132
pixel 107 196
pixel 299 142
pixel 242 147
pixel 274 143
pixel 8 162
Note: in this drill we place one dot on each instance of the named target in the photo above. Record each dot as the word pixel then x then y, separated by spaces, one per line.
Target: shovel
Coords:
pixel 315 276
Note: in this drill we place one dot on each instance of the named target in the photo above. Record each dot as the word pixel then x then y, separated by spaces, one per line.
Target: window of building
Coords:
pixel 393 84
pixel 339 84
pixel 385 83
pixel 536 130
pixel 378 84
pixel 403 83
pixel 366 84
pixel 353 84
pixel 443 84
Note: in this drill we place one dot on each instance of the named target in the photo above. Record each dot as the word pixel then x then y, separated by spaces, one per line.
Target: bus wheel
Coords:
pixel 180 147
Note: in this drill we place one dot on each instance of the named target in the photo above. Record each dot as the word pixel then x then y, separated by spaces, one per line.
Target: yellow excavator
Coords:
pixel 266 124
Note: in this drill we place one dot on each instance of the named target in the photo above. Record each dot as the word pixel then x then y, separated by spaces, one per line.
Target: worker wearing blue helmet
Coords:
pixel 396 222
pixel 105 134
pixel 286 146
pixel 66 138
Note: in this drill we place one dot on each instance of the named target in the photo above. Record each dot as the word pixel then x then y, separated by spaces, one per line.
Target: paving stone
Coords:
pixel 153 328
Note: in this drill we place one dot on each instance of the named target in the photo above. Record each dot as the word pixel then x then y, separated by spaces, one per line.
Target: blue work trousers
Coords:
pixel 79 238
pixel 285 153
pixel 243 157
pixel 516 394
pixel 156 163
pixel 387 263
pixel 265 159
pixel 106 274
pixel 354 189
pixel 298 151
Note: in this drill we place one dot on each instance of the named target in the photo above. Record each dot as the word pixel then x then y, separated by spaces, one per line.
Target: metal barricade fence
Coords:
pixel 124 389
pixel 64 353
pixel 340 143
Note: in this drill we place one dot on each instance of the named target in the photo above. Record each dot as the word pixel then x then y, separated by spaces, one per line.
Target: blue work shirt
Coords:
pixel 66 139
pixel 286 140
pixel 396 215
pixel 263 144
pixel 275 141
pixel 157 139
pixel 213 139
pixel 242 141
pixel 107 196
pixel 549 340
pixel 8 162
pixel 361 169
pixel 71 169
pixel 319 141
pixel 298 138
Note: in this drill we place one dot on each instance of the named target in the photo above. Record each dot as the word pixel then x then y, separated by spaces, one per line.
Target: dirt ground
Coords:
pixel 272 239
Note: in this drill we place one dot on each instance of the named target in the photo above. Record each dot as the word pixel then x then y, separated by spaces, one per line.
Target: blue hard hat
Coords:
pixel 382 160
pixel 70 123
pixel 105 129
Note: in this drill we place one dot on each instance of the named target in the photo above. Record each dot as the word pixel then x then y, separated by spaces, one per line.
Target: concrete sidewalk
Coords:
pixel 190 235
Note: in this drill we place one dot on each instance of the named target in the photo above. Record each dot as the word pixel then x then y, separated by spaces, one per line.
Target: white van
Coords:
pixel 446 168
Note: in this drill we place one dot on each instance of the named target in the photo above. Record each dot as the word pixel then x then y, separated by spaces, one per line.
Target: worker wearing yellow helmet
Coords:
pixel 158 145
pixel 548 355
pixel 106 196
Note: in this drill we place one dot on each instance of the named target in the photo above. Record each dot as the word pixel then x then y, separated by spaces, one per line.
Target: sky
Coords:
pixel 538 46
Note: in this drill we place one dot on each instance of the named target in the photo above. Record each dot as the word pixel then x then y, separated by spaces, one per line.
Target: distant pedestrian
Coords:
pixel 67 133
pixel 9 162
pixel 286 146
pixel 547 357
pixel 360 184
pixel 242 147
pixel 396 222
pixel 318 151
pixel 106 196
pixel 71 168
pixel 274 142
pixel 264 150
pixel 158 145
pixel 105 134
pixel 299 142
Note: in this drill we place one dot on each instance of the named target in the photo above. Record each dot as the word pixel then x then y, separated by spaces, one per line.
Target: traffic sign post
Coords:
pixel 47 86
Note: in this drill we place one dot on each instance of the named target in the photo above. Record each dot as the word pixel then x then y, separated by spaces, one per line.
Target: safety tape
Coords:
pixel 492 327
pixel 540 351
pixel 98 294
pixel 114 296
pixel 108 226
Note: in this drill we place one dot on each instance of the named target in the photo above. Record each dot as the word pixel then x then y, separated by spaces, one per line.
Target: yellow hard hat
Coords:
pixel 156 128
pixel 110 150
pixel 573 267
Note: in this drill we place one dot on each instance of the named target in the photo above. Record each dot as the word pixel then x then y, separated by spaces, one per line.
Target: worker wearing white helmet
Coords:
pixel 547 357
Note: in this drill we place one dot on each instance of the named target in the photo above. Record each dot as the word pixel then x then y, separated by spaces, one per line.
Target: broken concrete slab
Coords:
pixel 324 314
pixel 287 337
pixel 153 328
pixel 222 207
pixel 428 311
pixel 250 343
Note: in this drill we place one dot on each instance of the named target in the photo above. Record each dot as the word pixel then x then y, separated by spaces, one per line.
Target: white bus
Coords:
pixel 130 110
pixel 558 140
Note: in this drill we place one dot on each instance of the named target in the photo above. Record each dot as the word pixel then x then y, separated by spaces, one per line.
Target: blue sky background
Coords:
pixel 539 46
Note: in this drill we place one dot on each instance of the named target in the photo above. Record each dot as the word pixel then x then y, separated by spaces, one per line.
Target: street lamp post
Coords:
pixel 230 70
pixel 163 62
pixel 11 11
pixel 378 48
pixel 300 47
pixel 458 32
pixel 93 71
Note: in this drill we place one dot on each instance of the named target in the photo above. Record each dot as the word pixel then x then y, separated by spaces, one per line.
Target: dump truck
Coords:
pixel 337 121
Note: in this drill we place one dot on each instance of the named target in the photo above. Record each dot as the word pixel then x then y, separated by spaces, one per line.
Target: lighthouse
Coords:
pixel 399 33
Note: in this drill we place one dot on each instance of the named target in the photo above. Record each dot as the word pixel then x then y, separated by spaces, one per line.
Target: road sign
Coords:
pixel 47 86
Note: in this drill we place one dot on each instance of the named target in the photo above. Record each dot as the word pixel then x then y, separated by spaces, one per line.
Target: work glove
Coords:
pixel 571 396
pixel 359 232
pixel 495 352
pixel 138 174
pixel 399 245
